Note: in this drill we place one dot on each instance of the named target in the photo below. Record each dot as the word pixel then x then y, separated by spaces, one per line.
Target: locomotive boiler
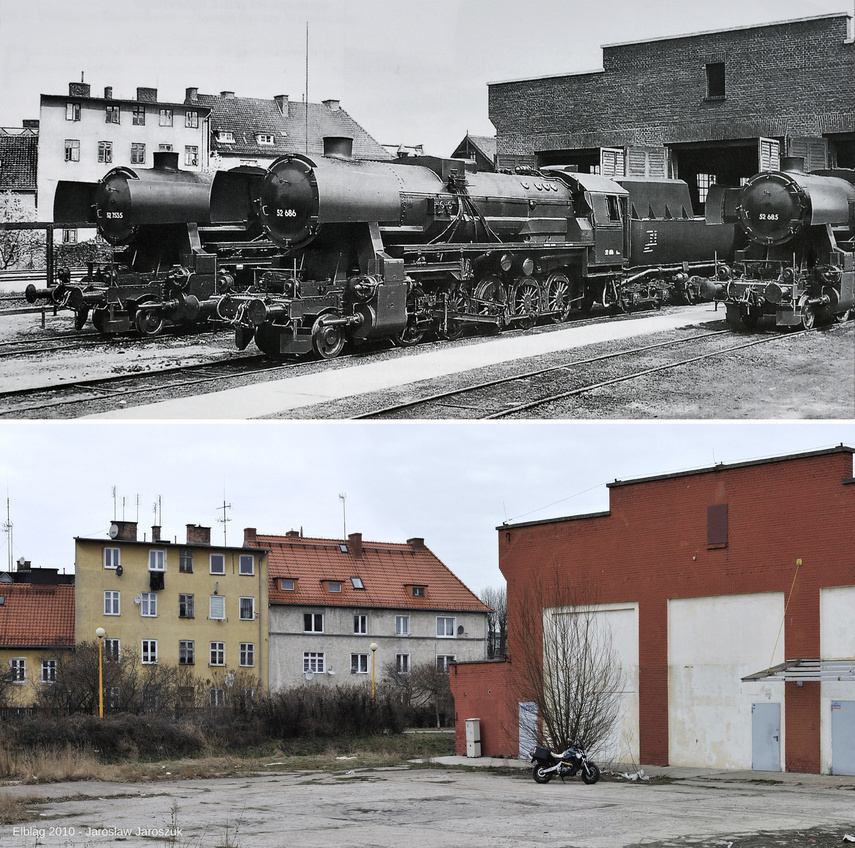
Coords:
pixel 173 253
pixel 422 245
pixel 799 266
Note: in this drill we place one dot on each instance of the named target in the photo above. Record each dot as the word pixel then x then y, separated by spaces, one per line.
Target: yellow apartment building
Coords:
pixel 193 605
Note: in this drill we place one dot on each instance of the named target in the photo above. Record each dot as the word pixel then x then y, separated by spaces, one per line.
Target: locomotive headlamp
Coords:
pixel 506 262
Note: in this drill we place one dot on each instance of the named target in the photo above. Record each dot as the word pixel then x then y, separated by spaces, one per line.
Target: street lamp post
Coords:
pixel 100 633
pixel 373 647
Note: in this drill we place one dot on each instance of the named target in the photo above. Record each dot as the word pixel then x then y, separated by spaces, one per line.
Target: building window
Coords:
pixel 443 661
pixel 704 183
pixel 334 587
pixel 314 661
pixel 112 650
pixel 218 564
pixel 265 138
pixel 138 116
pixel 357 583
pixel 717 526
pixel 217 608
pixel 247 609
pixel 185 560
pixel 148 605
pixel 112 698
pixel 149 651
pixel 226 136
pixel 715 80
pixel 313 622
pixel 359 663
pixel 72 111
pixel 112 557
pixel 157 560
pixel 191 119
pixel 165 148
pixel 48 671
pixel 72 150
pixel 444 627
pixel 18 670
pixel 418 591
pixel 246 564
pixel 151 698
pixel 402 625
pixel 218 697
pixel 137 154
pixel 112 605
pixel 191 155
pixel 360 624
pixel 105 152
pixel 112 113
pixel 186 606
pixel 186 652
pixel 287 585
pixel 247 654
pixel 402 663
pixel 166 117
pixel 218 653
pixel 69 236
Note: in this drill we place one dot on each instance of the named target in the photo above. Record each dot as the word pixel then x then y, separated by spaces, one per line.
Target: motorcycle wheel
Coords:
pixel 590 773
pixel 540 777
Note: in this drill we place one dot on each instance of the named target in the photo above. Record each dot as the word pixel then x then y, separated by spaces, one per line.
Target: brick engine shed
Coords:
pixel 729 592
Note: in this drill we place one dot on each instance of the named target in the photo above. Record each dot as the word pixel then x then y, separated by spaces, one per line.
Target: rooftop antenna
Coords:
pixel 138 508
pixel 114 502
pixel 224 520
pixel 7 529
pixel 343 498
pixel 157 508
pixel 307 88
pixel 123 507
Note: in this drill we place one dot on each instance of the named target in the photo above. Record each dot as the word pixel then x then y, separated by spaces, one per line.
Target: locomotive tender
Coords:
pixel 799 266
pixel 398 249
pixel 175 255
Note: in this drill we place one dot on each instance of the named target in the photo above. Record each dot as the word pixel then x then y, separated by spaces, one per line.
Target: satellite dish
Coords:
pixel 22 562
pixel 114 531
pixel 330 671
pixel 137 599
pixel 119 571
pixel 309 675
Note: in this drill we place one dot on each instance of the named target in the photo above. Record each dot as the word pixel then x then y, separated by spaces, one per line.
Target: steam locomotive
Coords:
pixel 799 265
pixel 174 254
pixel 395 250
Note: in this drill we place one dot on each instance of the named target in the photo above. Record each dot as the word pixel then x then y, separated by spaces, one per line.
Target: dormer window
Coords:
pixel 265 138
pixel 226 136
pixel 288 585
pixel 333 586
pixel 418 591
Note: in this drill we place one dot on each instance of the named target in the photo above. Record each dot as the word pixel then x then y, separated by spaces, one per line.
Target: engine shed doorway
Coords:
pixel 701 165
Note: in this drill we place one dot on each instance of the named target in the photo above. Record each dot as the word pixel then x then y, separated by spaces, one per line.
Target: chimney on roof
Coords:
pixel 250 534
pixel 228 95
pixel 191 95
pixel 146 95
pixel 293 534
pixel 354 544
pixel 282 103
pixel 332 105
pixel 108 92
pixel 198 535
pixel 126 531
pixel 31 123
pixel 79 89
pixel 155 532
pixel 417 543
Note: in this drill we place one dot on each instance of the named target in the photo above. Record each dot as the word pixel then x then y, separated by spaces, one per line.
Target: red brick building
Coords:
pixel 720 584
pixel 712 106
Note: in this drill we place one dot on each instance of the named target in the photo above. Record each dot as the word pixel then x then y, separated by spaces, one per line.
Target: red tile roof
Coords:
pixel 36 616
pixel 18 160
pixel 387 570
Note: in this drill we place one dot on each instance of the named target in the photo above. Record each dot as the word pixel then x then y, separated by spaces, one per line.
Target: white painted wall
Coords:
pixel 837 641
pixel 712 643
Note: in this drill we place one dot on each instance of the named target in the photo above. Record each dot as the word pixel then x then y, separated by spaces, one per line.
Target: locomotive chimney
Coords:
pixel 165 160
pixel 793 163
pixel 338 147
pixel 282 103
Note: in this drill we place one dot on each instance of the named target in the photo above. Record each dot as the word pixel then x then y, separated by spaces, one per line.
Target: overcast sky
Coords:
pixel 452 483
pixel 408 72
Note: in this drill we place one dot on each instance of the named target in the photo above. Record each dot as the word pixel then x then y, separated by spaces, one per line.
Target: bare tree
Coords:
pixel 425 685
pixel 565 662
pixel 497 621
pixel 19 249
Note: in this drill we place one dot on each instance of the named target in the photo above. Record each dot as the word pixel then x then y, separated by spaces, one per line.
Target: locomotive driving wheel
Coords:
pixel 449 327
pixel 327 338
pixel 412 334
pixel 808 311
pixel 149 322
pixel 80 317
pixel 526 303
pixel 559 300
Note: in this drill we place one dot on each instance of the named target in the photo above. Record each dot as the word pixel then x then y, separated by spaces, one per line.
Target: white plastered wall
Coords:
pixel 837 641
pixel 713 642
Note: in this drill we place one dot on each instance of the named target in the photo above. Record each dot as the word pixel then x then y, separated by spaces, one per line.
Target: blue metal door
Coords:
pixel 843 737
pixel 766 737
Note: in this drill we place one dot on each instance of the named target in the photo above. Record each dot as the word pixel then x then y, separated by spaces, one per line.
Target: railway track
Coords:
pixel 524 391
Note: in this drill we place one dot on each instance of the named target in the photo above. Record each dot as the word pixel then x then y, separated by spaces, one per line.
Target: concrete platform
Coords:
pixel 280 396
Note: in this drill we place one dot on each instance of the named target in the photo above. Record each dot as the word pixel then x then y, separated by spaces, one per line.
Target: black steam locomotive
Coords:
pixel 396 250
pixel 174 254
pixel 799 266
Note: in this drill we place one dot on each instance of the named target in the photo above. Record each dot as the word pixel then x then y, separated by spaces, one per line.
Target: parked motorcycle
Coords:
pixel 574 760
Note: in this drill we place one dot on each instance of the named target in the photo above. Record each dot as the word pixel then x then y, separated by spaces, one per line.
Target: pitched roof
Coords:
pixel 246 117
pixel 484 144
pixel 36 616
pixel 19 156
pixel 388 571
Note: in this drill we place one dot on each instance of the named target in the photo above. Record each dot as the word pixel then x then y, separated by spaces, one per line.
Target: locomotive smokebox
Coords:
pixel 338 147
